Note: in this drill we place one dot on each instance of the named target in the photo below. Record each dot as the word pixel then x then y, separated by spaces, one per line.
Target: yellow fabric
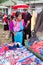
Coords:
pixel 33 20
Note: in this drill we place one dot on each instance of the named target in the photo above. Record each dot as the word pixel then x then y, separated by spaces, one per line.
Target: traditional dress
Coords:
pixel 18 29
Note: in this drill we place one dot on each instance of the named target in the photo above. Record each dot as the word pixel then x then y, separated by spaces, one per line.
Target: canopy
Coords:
pixel 20 6
pixel 8 3
pixel 2 7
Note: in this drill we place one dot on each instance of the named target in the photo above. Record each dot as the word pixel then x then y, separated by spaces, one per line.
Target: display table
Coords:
pixel 18 56
pixel 37 49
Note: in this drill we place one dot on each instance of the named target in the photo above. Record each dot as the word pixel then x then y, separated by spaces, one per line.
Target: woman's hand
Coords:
pixel 28 22
pixel 14 34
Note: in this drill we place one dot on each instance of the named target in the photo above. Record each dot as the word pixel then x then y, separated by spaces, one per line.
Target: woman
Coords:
pixel 27 25
pixel 6 26
pixel 18 28
pixel 11 25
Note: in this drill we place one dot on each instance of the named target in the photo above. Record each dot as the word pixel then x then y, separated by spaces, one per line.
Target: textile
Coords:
pixel 19 35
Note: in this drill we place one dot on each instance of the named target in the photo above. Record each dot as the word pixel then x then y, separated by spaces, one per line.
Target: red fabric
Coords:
pixel 5 19
pixel 1 51
pixel 5 47
pixel 36 46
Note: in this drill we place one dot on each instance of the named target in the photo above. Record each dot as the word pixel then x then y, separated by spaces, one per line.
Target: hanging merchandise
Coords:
pixel 39 23
pixel 33 20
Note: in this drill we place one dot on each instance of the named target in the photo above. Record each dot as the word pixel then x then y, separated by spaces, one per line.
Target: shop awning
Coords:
pixel 8 3
pixel 2 7
pixel 34 1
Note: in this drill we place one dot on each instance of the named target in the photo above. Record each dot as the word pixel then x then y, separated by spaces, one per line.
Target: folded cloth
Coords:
pixel 1 51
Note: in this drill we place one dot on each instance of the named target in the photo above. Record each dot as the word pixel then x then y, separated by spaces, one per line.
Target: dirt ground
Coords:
pixel 4 36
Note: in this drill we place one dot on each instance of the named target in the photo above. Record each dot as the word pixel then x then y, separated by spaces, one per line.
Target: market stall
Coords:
pixel 37 49
pixel 35 44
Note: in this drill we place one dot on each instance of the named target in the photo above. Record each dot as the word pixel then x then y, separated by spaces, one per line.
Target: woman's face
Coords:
pixel 19 17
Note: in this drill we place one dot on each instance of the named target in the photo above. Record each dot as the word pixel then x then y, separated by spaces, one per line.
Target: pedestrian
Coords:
pixel 11 25
pixel 6 26
pixel 27 25
pixel 18 29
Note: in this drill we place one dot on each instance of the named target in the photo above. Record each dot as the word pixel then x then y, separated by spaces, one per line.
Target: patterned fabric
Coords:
pixel 19 56
pixel 17 26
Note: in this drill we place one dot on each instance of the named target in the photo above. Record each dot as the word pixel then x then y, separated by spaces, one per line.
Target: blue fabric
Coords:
pixel 12 47
pixel 19 35
pixel 21 26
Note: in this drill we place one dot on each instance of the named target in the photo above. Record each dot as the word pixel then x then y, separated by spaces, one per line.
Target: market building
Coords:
pixel 36 5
